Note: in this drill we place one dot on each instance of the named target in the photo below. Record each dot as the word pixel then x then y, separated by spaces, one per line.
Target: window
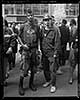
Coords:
pixel 6 11
pixel 36 9
pixel 70 12
pixel 44 9
pixel 67 12
pixel 26 6
pixel 12 10
pixel 18 8
pixel 73 9
pixel 18 11
pixel 74 12
pixel 9 9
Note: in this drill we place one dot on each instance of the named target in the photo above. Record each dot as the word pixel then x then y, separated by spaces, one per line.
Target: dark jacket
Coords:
pixel 65 34
pixel 9 40
pixel 51 42
pixel 74 37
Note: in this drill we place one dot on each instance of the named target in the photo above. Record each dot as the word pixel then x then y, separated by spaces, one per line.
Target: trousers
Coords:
pixel 28 61
pixel 73 58
pixel 50 68
pixel 5 66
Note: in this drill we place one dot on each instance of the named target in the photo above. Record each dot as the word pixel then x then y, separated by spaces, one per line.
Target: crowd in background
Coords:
pixel 68 34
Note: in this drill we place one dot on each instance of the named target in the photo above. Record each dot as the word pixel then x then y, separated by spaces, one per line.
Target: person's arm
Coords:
pixel 68 34
pixel 39 43
pixel 57 43
pixel 20 35
pixel 74 33
pixel 12 42
pixel 40 37
pixel 20 41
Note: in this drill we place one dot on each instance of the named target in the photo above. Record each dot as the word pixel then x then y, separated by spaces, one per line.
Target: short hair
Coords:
pixel 64 21
pixel 29 11
pixel 73 21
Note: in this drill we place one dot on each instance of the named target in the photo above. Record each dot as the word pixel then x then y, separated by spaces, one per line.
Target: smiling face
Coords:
pixel 46 22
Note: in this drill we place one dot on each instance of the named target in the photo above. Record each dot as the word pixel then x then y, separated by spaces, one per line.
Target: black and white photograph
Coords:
pixel 40 50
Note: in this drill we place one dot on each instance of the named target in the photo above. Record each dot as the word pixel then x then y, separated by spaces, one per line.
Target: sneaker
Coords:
pixel 71 81
pixel 46 84
pixel 53 89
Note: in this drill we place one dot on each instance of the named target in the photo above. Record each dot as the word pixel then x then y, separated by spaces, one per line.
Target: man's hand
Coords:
pixel 9 50
pixel 55 56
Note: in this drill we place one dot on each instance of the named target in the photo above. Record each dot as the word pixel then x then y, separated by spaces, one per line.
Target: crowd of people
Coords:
pixel 41 44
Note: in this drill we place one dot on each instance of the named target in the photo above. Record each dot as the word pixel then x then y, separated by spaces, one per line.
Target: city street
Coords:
pixel 63 88
pixel 54 25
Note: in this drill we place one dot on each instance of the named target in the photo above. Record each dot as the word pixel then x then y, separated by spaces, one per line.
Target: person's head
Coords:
pixel 46 20
pixel 72 22
pixel 29 15
pixel 64 21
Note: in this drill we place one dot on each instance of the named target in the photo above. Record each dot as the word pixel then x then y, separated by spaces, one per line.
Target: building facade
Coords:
pixel 72 11
pixel 16 12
